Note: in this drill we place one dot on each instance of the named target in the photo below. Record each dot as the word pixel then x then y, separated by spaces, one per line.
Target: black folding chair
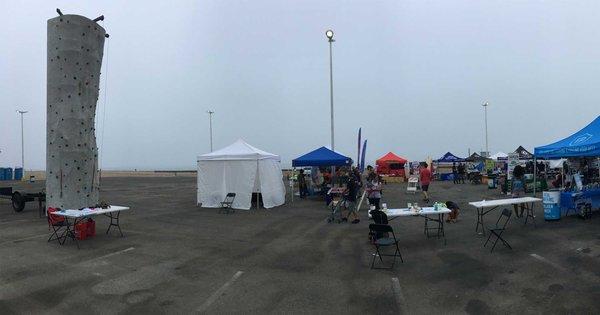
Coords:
pixel 499 228
pixel 379 229
pixel 379 217
pixel 56 229
pixel 226 204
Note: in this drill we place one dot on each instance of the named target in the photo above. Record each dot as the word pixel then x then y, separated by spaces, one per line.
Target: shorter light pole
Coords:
pixel 487 149
pixel 22 141
pixel 210 113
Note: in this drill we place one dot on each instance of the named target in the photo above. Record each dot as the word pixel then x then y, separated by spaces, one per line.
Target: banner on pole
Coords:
pixel 364 152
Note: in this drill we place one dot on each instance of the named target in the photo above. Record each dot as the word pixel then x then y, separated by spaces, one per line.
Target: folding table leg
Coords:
pixel 114 221
pixel 40 209
pixel 480 221
pixel 530 213
pixel 70 232
pixel 441 227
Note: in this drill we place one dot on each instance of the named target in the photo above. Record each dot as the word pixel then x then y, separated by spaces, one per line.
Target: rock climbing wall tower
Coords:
pixel 75 49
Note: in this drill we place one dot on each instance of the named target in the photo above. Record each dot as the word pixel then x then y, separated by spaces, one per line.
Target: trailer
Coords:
pixel 21 194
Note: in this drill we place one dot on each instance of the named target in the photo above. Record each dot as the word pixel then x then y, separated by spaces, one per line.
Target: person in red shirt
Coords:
pixel 425 178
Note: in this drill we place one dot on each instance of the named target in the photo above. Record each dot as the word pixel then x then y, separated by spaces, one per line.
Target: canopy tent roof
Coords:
pixel 475 157
pixel 322 157
pixel 523 153
pixel 585 142
pixel 391 158
pixel 499 156
pixel 239 150
pixel 449 157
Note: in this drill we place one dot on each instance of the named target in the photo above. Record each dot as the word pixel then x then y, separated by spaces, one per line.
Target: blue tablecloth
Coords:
pixel 568 200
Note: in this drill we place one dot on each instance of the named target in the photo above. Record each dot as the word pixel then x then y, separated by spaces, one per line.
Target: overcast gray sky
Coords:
pixel 412 74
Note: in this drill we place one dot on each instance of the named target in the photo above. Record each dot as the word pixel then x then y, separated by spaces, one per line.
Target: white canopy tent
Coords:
pixel 241 169
pixel 499 155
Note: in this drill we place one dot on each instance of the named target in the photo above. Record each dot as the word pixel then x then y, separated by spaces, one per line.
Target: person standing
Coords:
pixel 373 190
pixel 454 173
pixel 518 188
pixel 461 172
pixel 425 179
pixel 351 192
pixel 302 183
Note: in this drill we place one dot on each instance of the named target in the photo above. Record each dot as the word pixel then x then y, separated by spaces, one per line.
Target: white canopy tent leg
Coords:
pixel 291 180
pixel 534 174
pixel 562 180
pixel 258 194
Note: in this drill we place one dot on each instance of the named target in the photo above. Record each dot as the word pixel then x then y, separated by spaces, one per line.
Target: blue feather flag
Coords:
pixel 362 158
pixel 358 151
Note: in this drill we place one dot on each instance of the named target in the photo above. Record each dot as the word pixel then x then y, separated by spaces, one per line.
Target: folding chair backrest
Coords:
pixel 381 228
pixel 229 198
pixel 379 217
pixel 52 218
pixel 506 214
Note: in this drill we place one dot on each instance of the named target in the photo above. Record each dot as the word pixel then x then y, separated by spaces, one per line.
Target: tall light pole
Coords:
pixel 210 113
pixel 329 34
pixel 487 149
pixel 22 140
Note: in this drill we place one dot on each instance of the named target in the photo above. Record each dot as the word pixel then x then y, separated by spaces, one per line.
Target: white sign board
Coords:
pixel 513 160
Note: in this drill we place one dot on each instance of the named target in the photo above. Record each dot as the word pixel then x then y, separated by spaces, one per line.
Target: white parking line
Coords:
pixel 25 238
pixel 398 295
pixel 218 293
pixel 542 259
pixel 107 255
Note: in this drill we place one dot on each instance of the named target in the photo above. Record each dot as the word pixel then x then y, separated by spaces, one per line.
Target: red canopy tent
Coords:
pixel 391 164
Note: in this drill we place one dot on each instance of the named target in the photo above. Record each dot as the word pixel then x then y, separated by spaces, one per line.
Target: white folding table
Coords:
pixel 425 212
pixel 77 216
pixel 490 205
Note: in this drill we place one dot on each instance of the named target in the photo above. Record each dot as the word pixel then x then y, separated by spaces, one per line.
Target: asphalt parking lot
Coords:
pixel 178 258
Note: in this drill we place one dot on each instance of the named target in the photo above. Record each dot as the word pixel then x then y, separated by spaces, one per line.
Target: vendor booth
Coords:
pixel 391 165
pixel 444 166
pixel 241 169
pixel 580 179
pixel 523 153
pixel 499 156
pixel 322 157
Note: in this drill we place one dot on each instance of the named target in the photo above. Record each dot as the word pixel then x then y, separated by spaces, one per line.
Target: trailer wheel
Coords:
pixel 18 202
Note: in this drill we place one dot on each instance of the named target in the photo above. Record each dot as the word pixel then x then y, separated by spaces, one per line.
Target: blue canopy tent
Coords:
pixel 585 142
pixel 449 158
pixel 322 157
pixel 443 169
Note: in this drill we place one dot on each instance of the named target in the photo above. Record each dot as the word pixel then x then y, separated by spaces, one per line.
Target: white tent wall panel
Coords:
pixel 235 176
pixel 271 183
pixel 241 169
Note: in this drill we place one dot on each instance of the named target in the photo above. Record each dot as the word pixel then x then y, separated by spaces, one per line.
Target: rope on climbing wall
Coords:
pixel 101 153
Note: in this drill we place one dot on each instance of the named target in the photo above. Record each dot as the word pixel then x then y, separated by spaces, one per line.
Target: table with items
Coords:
pixel 486 206
pixel 569 200
pixel 428 213
pixel 73 218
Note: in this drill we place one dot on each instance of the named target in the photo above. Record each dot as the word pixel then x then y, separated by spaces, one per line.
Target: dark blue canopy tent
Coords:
pixel 584 143
pixel 449 158
pixel 322 157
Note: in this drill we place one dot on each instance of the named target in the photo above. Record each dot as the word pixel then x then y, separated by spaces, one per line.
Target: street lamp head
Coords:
pixel 485 104
pixel 329 34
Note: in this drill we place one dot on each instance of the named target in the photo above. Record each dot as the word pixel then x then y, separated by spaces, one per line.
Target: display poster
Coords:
pixel 489 165
pixel 513 160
